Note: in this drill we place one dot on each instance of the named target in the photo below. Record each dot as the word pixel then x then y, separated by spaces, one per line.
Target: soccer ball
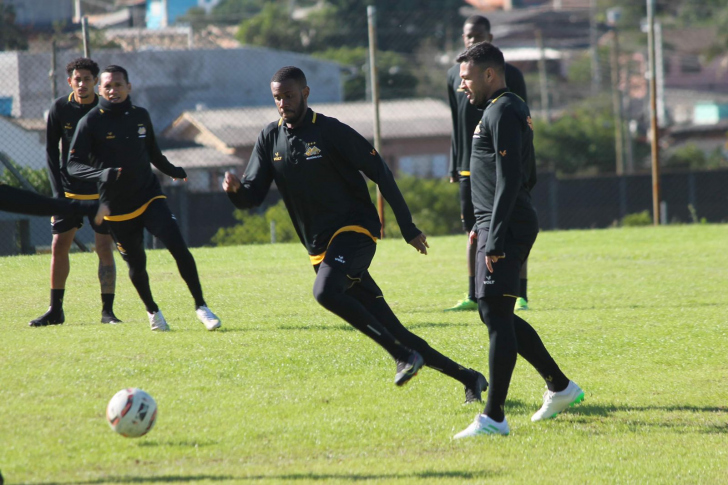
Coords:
pixel 131 412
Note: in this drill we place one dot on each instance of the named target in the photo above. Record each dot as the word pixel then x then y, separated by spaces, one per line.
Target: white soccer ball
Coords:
pixel 131 412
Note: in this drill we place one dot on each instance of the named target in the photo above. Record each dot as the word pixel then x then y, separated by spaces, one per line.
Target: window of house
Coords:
pixel 433 165
pixel 689 64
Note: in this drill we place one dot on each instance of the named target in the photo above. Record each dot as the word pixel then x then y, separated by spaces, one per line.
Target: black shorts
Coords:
pixel 157 219
pixel 505 280
pixel 467 212
pixel 61 224
pixel 352 253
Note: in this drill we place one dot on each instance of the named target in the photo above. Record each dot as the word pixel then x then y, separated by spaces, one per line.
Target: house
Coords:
pixel 415 133
pixel 23 141
pixel 163 13
pixel 42 14
pixel 169 82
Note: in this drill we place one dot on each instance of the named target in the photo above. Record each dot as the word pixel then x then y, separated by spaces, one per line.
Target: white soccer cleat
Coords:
pixel 206 316
pixel 556 402
pixel 484 425
pixel 157 322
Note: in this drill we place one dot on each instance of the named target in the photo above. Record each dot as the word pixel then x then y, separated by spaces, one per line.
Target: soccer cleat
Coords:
pixel 206 316
pixel 521 304
pixel 406 370
pixel 51 317
pixel 109 317
pixel 157 322
pixel 555 402
pixel 474 393
pixel 466 304
pixel 482 424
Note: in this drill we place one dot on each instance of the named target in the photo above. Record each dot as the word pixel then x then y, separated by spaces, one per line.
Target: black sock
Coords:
pixel 107 303
pixel 471 288
pixel 57 299
pixel 524 289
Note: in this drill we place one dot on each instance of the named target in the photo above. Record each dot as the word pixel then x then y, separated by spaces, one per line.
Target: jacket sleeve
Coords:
pixel 155 154
pixel 256 180
pixel 53 153
pixel 360 153
pixel 78 155
pixel 452 98
pixel 506 131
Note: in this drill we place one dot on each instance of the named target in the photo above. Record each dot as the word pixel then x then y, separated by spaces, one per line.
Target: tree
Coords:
pixel 272 27
pixel 581 141
pixel 38 178
pixel 12 38
pixel 395 73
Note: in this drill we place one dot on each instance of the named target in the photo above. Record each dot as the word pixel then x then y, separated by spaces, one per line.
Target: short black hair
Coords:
pixel 478 20
pixel 485 55
pixel 290 72
pixel 114 68
pixel 82 63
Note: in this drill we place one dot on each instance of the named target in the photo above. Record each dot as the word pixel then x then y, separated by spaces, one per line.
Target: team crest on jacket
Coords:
pixel 312 151
pixel 142 131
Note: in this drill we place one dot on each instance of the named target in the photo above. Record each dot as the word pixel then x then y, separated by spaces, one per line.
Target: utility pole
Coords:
pixel 613 16
pixel 543 80
pixel 594 51
pixel 372 28
pixel 653 114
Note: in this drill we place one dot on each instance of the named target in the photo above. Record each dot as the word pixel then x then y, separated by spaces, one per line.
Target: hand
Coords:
pixel 420 243
pixel 231 183
pixel 103 211
pixel 454 178
pixel 179 173
pixel 490 260
pixel 472 237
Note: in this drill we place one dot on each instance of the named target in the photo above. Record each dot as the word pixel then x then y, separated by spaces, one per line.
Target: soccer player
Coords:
pixel 316 162
pixel 114 146
pixel 465 118
pixel 26 202
pixel 63 118
pixel 503 171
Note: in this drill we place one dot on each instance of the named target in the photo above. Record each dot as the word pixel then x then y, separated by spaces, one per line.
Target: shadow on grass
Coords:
pixel 342 477
pixel 607 409
pixel 680 417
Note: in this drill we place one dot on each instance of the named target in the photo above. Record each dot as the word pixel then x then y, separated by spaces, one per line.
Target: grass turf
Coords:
pixel 287 393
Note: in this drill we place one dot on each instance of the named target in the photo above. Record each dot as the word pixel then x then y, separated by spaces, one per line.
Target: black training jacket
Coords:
pixel 119 136
pixel 503 171
pixel 316 167
pixel 63 117
pixel 465 116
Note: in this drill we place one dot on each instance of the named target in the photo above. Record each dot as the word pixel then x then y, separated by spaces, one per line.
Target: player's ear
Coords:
pixel 69 82
pixel 306 92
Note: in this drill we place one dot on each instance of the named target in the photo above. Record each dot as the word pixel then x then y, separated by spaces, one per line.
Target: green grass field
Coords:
pixel 287 393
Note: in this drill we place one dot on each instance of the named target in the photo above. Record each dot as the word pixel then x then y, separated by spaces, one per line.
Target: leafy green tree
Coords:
pixel 12 37
pixel 581 140
pixel 395 72
pixel 689 156
pixel 272 27
pixel 235 11
pixel 434 204
pixel 254 227
pixel 38 178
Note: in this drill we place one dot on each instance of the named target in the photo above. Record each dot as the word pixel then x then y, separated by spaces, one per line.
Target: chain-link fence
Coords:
pixel 205 82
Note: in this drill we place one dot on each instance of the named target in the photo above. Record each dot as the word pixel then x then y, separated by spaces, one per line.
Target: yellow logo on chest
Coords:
pixel 278 157
pixel 312 150
pixel 110 136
